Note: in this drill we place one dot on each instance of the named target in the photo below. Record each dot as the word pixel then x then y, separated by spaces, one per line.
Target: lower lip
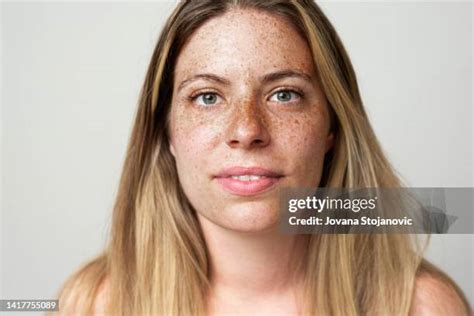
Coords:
pixel 247 188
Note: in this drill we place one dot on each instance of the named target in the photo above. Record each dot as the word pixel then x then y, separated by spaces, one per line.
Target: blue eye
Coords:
pixel 206 98
pixel 285 96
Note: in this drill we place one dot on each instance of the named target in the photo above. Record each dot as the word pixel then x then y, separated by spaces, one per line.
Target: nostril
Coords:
pixel 246 143
pixel 234 142
pixel 257 142
pixel 247 131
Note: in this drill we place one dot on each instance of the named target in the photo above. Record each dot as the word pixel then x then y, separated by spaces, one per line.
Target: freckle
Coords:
pixel 297 122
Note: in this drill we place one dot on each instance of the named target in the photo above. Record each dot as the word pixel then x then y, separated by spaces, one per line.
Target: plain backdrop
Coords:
pixel 71 75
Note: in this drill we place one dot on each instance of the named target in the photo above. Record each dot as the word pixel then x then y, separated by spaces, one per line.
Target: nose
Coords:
pixel 247 128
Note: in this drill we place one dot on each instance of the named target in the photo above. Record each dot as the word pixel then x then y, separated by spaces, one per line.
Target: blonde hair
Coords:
pixel 156 261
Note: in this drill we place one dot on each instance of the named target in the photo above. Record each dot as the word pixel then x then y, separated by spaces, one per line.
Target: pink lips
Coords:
pixel 266 179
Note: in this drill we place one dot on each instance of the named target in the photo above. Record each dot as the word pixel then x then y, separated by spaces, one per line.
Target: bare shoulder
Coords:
pixel 73 302
pixel 435 295
pixel 85 291
pixel 101 298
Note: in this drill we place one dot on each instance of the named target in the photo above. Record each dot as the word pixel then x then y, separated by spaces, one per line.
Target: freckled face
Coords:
pixel 247 118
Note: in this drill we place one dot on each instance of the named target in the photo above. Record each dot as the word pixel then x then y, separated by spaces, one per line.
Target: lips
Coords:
pixel 247 181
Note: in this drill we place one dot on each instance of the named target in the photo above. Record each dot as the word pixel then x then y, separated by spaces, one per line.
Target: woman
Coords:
pixel 242 98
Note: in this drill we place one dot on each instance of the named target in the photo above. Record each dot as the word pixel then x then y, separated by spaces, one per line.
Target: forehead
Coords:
pixel 245 41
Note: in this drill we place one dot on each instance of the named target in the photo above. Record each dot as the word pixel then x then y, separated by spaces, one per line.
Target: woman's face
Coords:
pixel 248 117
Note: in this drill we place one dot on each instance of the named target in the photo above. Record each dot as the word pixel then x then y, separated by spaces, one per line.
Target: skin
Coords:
pixel 245 122
pixel 250 261
pixel 247 125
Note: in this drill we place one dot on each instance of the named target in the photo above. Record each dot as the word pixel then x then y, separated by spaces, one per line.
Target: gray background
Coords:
pixel 71 74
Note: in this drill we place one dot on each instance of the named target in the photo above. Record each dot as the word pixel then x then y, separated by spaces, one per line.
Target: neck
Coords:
pixel 253 264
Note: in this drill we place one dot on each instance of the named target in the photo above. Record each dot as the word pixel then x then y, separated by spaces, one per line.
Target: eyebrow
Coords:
pixel 209 77
pixel 270 77
pixel 275 76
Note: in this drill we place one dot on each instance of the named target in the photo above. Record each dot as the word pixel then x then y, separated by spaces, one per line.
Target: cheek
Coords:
pixel 192 146
pixel 190 135
pixel 194 142
pixel 304 145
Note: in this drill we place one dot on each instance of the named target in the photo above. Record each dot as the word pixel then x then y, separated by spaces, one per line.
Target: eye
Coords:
pixel 205 98
pixel 286 95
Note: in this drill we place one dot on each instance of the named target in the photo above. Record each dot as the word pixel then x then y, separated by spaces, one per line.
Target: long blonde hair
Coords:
pixel 156 261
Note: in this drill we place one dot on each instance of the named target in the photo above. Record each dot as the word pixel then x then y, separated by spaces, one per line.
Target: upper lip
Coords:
pixel 250 171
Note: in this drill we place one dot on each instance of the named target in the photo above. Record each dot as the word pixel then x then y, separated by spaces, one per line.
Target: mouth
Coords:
pixel 243 181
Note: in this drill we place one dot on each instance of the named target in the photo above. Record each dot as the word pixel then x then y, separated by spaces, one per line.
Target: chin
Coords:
pixel 251 217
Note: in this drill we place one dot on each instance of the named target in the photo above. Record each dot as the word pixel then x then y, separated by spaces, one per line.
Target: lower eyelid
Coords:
pixel 299 95
pixel 194 96
pixel 198 95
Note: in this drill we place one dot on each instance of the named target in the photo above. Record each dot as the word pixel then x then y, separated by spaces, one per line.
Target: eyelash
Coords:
pixel 298 92
pixel 194 96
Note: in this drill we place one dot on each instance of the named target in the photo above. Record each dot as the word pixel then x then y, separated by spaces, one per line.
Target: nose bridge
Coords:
pixel 248 109
pixel 246 103
pixel 248 124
